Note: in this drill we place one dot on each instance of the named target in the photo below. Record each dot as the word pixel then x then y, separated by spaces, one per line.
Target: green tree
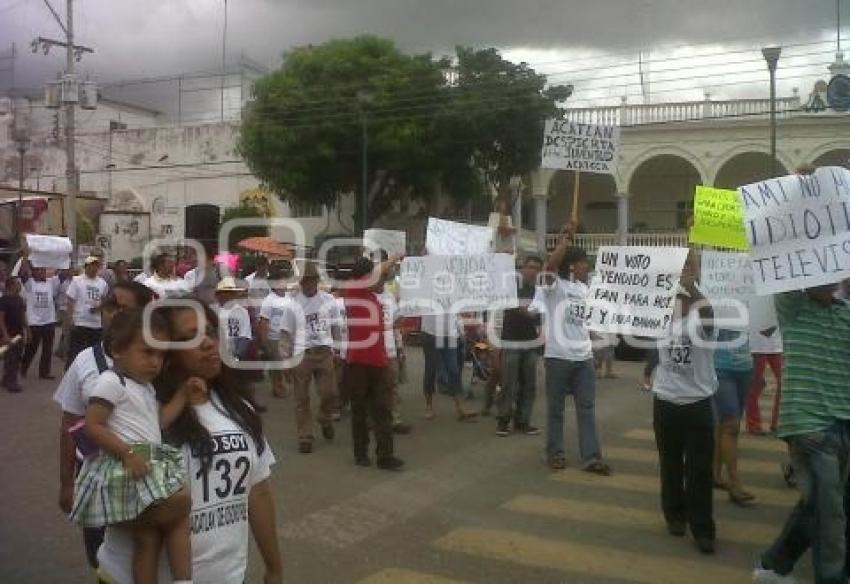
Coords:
pixel 467 126
pixel 243 211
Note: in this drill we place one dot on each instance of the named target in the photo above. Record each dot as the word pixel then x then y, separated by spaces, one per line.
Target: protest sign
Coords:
pixel 583 147
pixel 450 284
pixel 393 242
pixel 451 238
pixel 798 227
pixel 633 290
pixel 718 219
pixel 726 279
pixel 47 251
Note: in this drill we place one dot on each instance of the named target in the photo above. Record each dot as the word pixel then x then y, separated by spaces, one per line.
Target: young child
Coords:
pixel 135 480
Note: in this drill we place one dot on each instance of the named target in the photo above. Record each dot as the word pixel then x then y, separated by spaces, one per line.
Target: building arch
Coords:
pixel 661 193
pixel 597 203
pixel 667 150
pixel 833 154
pixel 747 167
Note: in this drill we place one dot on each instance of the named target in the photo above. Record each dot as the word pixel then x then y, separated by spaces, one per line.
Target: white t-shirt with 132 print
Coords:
pixel 685 371
pixel 219 517
pixel 87 293
pixel 41 304
pixel 563 305
pixel 314 315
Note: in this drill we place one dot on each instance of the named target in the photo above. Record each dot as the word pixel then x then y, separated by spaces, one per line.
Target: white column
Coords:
pixel 622 218
pixel 540 207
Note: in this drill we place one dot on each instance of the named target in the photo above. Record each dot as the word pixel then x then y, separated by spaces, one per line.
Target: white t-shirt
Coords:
pixel 272 309
pixel 41 304
pixel 390 307
pixel 135 411
pixel 141 277
pixel 343 326
pixel 441 325
pixel 564 309
pixel 87 294
pixel 685 372
pixel 235 321
pixel 219 516
pixel 168 287
pixel 78 380
pixel 314 315
pixel 258 287
pixel 760 343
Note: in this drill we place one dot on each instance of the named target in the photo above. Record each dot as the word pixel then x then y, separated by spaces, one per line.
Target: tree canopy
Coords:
pixel 465 125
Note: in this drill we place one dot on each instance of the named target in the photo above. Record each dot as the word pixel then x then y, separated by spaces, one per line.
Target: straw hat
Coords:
pixel 229 284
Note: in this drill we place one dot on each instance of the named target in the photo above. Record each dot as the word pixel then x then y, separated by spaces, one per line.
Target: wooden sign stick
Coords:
pixel 576 185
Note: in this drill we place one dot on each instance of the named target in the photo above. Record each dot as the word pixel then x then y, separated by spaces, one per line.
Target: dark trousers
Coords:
pixel 11 366
pixel 371 395
pixel 40 335
pixel 82 338
pixel 684 435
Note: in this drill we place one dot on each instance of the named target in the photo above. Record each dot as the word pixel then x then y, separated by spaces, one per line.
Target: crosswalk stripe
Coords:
pixel 396 575
pixel 650 484
pixel 745 443
pixel 571 557
pixel 746 532
pixel 651 455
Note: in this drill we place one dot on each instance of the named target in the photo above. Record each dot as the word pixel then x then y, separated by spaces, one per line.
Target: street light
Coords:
pixel 364 99
pixel 771 57
pixel 22 143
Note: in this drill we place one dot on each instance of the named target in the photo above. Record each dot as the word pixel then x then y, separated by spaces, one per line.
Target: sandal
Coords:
pixel 741 498
pixel 466 416
pixel 721 485
pixel 429 414
pixel 598 467
pixel 557 463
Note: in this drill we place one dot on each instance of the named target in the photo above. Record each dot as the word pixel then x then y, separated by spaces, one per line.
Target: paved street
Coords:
pixel 470 507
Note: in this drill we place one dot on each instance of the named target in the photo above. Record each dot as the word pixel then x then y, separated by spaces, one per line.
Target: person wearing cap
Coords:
pixel 367 365
pixel 568 357
pixel 683 415
pixel 269 322
pixel 310 323
pixel 258 280
pixel 234 318
pixel 85 295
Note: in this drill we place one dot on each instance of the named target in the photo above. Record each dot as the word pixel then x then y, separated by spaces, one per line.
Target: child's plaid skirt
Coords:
pixel 104 493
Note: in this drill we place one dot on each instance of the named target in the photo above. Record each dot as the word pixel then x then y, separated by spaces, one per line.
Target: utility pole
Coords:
pixel 223 59
pixel 69 96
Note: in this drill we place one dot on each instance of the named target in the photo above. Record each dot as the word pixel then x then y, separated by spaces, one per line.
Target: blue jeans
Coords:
pixel 441 355
pixel 579 379
pixel 821 462
pixel 519 385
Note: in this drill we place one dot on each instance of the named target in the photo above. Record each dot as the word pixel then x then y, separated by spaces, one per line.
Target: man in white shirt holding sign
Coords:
pixel 568 355
pixel 40 293
pixel 310 322
pixel 85 295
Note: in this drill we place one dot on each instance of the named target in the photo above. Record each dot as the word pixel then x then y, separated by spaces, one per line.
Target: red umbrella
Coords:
pixel 266 246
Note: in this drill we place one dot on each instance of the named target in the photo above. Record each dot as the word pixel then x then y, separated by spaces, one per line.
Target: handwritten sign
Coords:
pixel 451 238
pixel 718 219
pixel 799 229
pixel 585 147
pixel 634 288
pixel 726 279
pixel 393 242
pixel 451 284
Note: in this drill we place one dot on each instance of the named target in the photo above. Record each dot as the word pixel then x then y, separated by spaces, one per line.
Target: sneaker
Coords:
pixel 764 576
pixel 13 389
pixel 402 428
pixel 362 460
pixel 503 429
pixel 305 447
pixel 677 528
pixel 328 432
pixel 705 545
pixel 391 463
pixel 530 430
pixel 557 462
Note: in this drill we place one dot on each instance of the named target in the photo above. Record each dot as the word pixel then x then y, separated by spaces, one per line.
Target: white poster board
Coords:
pixel 633 290
pixel 799 230
pixel 726 279
pixel 584 147
pixel 451 238
pixel 393 242
pixel 46 251
pixel 449 284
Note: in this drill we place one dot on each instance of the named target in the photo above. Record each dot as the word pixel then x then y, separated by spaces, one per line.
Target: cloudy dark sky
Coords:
pixel 135 38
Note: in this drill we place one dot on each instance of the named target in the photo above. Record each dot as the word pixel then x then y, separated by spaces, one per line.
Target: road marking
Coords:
pixel 396 576
pixel 650 484
pixel 746 466
pixel 746 532
pixel 576 558
pixel 746 442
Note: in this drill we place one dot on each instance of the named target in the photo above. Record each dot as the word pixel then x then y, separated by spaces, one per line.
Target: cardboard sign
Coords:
pixel 452 284
pixel 718 219
pixel 451 238
pixel 46 251
pixel 799 230
pixel 584 147
pixel 392 242
pixel 633 290
pixel 726 279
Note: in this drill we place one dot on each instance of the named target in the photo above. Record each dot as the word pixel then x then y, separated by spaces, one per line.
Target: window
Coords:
pixel 306 209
